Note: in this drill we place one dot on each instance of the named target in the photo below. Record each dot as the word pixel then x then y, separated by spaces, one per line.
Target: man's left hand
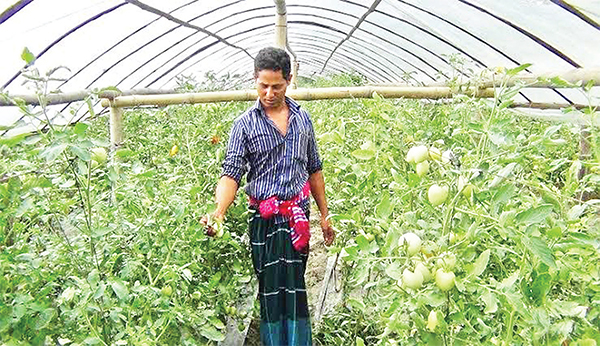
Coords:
pixel 328 232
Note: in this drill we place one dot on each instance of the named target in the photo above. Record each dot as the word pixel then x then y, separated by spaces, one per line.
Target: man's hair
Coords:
pixel 274 59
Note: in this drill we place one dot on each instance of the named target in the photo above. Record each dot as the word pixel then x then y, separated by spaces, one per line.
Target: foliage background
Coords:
pixel 111 252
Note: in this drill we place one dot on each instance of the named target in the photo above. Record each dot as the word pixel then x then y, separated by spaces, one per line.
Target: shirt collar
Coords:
pixel 293 105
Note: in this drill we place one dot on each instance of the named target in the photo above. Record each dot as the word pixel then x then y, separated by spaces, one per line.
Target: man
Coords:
pixel 274 142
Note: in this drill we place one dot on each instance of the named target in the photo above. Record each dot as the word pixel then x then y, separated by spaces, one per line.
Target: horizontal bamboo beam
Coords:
pixel 537 80
pixel 297 94
pixel 548 105
pixel 75 96
pixel 545 80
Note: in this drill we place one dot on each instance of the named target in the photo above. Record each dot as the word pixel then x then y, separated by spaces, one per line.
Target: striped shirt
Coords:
pixel 277 165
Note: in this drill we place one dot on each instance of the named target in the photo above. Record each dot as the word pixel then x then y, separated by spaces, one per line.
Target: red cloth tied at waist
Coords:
pixel 290 209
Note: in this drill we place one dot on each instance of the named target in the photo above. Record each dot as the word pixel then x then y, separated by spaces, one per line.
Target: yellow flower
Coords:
pixel 174 150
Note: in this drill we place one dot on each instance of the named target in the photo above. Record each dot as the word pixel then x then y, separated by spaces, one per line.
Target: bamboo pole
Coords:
pixel 281 30
pixel 297 94
pixel 538 80
pixel 572 76
pixel 75 96
pixel 116 126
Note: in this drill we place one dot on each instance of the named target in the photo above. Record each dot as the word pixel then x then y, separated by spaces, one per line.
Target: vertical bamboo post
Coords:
pixel 585 153
pixel 116 126
pixel 294 83
pixel 280 25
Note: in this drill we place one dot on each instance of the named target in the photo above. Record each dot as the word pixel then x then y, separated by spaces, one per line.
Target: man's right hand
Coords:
pixel 213 224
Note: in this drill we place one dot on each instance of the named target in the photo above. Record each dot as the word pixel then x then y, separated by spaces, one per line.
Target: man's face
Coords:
pixel 271 87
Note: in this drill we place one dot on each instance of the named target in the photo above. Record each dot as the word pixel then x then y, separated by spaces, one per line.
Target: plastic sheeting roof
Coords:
pixel 117 43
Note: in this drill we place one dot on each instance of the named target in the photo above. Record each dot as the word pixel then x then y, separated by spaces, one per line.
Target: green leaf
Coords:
pixel 217 323
pixel 384 208
pixel 81 153
pixel 514 71
pixel 25 206
pixel 394 270
pixel 359 341
pixel 100 290
pixel 211 333
pixel 559 82
pixel 92 340
pixel 120 289
pixel 540 286
pixel 44 318
pixel 504 193
pixel 32 139
pixel 363 154
pixel 534 215
pixel 503 174
pixel 481 263
pixel 27 56
pixel 100 232
pixel 51 153
pixel 490 301
pixel 576 211
pixel 539 248
pixel 14 140
pixel 80 128
pixel 589 85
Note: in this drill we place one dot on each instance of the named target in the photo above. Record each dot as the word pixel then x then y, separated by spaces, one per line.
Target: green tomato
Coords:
pixel 99 155
pixel 420 153
pixel 420 267
pixel 444 280
pixel 422 168
pixel 435 154
pixel 412 280
pixel 166 291
pixel 447 261
pixel 465 187
pixel 437 194
pixel 411 241
pixel 432 320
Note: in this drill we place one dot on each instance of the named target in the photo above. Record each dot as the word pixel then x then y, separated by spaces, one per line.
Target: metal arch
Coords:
pixel 155 39
pixel 237 13
pixel 354 28
pixel 12 10
pixel 526 33
pixel 480 40
pixel 388 42
pixel 576 13
pixel 350 50
pixel 175 44
pixel 376 71
pixel 381 27
pixel 379 72
pixel 310 56
pixel 82 24
pixel 121 41
pixel 199 51
pixel 167 16
pixel 333 29
pixel 300 37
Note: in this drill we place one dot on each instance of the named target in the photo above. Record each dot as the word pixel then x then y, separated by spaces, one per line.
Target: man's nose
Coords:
pixel 270 91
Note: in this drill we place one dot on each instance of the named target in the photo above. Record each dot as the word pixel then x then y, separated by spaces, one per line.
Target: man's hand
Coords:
pixel 328 232
pixel 213 224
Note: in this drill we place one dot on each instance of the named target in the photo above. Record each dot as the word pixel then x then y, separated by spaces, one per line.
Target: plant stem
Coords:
pixel 509 330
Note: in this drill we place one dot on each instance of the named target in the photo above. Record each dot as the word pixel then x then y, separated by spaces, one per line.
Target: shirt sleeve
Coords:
pixel 314 161
pixel 236 162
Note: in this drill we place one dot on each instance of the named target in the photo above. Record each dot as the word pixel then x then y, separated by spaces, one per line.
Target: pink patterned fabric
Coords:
pixel 299 225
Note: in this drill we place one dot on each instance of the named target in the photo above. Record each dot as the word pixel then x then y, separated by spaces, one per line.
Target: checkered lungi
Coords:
pixel 280 269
